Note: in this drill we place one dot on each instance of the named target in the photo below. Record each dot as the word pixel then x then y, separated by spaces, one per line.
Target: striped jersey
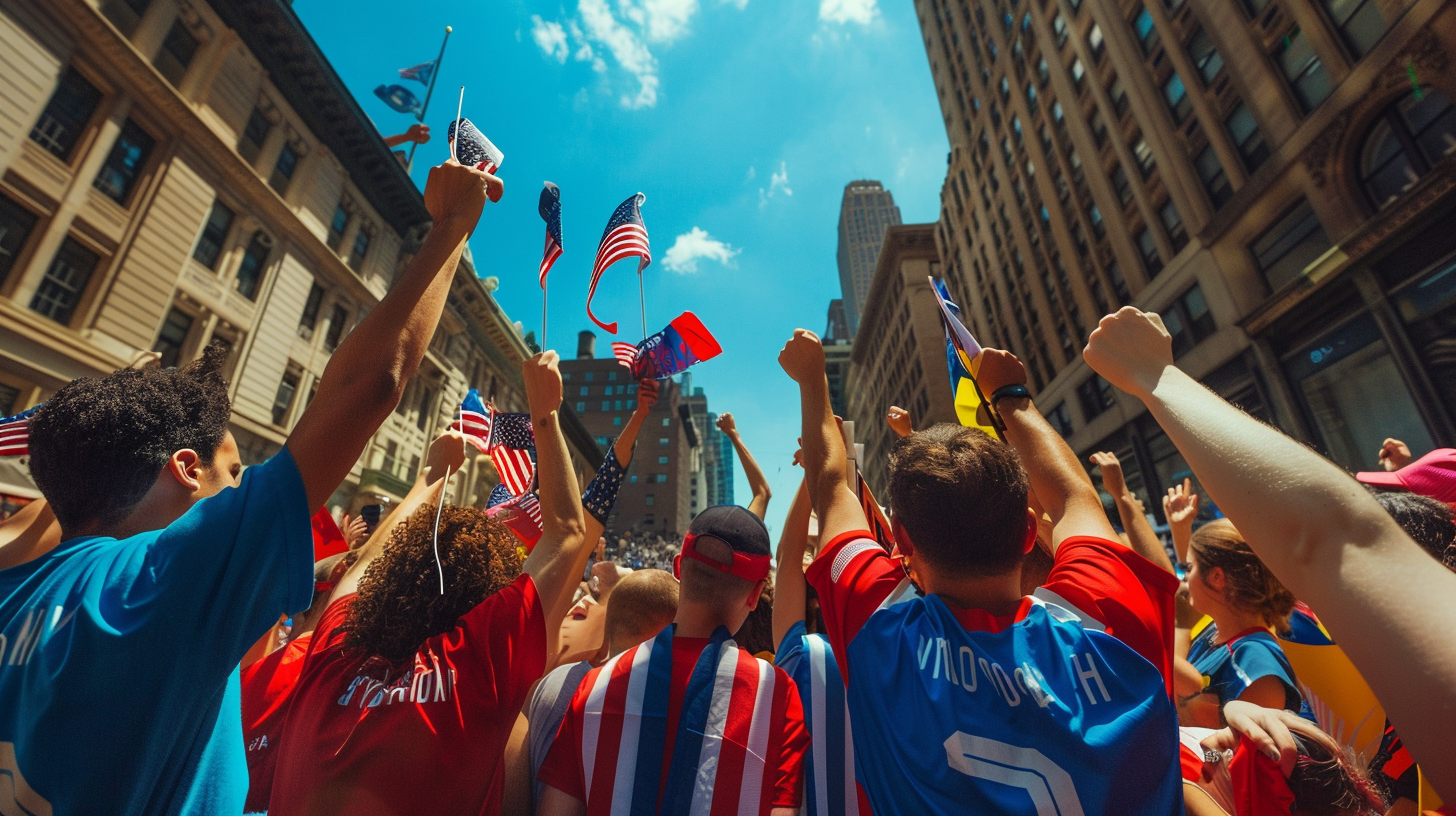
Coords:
pixel 682 726
pixel 829 788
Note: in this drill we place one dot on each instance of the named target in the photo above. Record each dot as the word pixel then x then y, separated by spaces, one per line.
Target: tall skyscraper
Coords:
pixel 1274 177
pixel 865 212
pixel 837 350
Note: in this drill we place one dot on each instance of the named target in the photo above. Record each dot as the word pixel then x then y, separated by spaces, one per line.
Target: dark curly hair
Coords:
pixel 1430 522
pixel 1250 584
pixel 399 604
pixel 97 446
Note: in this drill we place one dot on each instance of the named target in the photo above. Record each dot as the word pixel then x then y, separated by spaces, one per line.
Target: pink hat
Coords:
pixel 1432 475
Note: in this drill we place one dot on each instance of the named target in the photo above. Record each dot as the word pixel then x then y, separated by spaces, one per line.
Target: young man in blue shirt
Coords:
pixel 118 685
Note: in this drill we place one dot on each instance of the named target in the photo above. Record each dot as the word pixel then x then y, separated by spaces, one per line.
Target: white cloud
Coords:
pixel 550 37
pixel 697 245
pixel 779 181
pixel 848 11
pixel 666 20
pixel 752 173
pixel 738 4
pixel 625 47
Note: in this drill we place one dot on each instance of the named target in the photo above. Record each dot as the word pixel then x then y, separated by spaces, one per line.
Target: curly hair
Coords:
pixel 1250 585
pixel 97 446
pixel 1430 522
pixel 1326 784
pixel 399 604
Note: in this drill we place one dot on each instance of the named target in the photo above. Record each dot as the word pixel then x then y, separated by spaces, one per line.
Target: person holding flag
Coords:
pixel 1013 699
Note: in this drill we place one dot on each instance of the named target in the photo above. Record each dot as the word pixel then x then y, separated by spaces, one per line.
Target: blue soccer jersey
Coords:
pixel 1045 711
pixel 829 788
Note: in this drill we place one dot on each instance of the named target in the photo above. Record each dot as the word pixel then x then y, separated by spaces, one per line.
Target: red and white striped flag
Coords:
pixel 624 237
pixel 15 433
pixel 626 354
pixel 473 421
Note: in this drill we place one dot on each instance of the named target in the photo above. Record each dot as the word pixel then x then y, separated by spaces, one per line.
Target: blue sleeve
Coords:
pixel 225 571
pixel 601 495
pixel 1254 659
pixel 791 650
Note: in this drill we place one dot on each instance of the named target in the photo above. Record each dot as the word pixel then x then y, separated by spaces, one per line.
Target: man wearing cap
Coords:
pixel 1432 475
pixel 687 721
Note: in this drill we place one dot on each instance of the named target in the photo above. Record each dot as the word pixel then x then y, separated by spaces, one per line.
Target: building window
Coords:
pixel 176 54
pixel 214 234
pixel 1205 56
pixel 666 422
pixel 283 170
pixel 1121 185
pixel 589 376
pixel 360 250
pixel 124 162
pixel 1215 180
pixel 617 421
pixel 1247 138
pixel 606 405
pixel 1359 21
pixel 255 132
pixel 663 442
pixel 9 395
pixel 422 414
pixel 65 116
pixel 1144 156
pixel 1173 225
pixel 1043 72
pixel 649 500
pixel 1119 283
pixel 1189 321
pixel 1096 396
pixel 1059 28
pixel 283 403
pixel 337 227
pixel 1303 71
pixel 1148 249
pixel 1079 72
pixel 662 460
pixel 1118 94
pixel 1177 97
pixel 1095 216
pixel 1095 41
pixel 172 337
pixel 1289 246
pixel 1408 138
pixel 1147 34
pixel 64 282
pixel 16 222
pixel 125 14
pixel 581 407
pixel 311 310
pixel 1255 7
pixel 250 271
pixel 391 456
pixel 338 321
pixel 1061 419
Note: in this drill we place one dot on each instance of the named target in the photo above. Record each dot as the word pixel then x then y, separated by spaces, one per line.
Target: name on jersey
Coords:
pixel 960 666
pixel 16 648
pixel 428 683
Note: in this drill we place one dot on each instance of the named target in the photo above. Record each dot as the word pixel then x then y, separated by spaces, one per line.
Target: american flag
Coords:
pixel 520 513
pixel 626 354
pixel 15 433
pixel 474 421
pixel 624 237
pixel 420 73
pixel 510 444
pixel 473 149
pixel 550 208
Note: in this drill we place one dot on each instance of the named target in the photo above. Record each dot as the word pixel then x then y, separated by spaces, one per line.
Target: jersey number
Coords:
pixel 1049 787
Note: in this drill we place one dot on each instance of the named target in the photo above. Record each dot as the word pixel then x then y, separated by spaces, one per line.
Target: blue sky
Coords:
pixel 741 120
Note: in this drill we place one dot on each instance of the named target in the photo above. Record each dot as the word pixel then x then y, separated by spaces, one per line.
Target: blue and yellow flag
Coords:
pixel 963 358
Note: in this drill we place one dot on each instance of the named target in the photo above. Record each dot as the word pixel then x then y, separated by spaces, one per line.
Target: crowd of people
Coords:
pixel 1000 648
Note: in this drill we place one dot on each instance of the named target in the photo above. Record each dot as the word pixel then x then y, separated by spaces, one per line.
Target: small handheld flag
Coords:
pixel 472 149
pixel 474 421
pixel 520 513
pixel 963 355
pixel 15 433
pixel 550 208
pixel 419 73
pixel 626 354
pixel 399 98
pixel 510 445
pixel 624 237
pixel 684 343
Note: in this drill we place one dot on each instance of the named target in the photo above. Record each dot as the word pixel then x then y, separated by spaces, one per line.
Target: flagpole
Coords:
pixel 434 75
pixel 544 291
pixel 642 294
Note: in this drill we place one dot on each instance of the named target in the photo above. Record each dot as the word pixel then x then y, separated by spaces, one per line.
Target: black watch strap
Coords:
pixel 1014 390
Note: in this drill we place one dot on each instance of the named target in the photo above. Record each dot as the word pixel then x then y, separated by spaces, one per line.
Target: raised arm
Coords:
pixel 1140 534
pixel 1384 600
pixel 557 562
pixel 789 584
pixel 823 443
pixel 417 133
pixel 899 421
pixel 1180 507
pixel 601 494
pixel 1057 477
pixel 366 376
pixel 757 482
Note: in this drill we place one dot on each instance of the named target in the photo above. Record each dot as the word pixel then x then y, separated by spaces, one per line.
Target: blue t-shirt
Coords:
pixel 1230 668
pixel 829 764
pixel 119 658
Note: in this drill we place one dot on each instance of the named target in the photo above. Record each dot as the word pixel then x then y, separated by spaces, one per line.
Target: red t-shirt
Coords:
pixel 1111 588
pixel 267 686
pixel 362 738
pixel 783 760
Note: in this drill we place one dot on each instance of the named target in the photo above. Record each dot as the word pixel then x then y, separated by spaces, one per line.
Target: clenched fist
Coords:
pixel 1130 349
pixel 803 357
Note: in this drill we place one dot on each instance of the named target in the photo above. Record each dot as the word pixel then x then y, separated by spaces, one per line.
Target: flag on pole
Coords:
pixel 473 420
pixel 510 444
pixel 400 98
pixel 520 513
pixel 963 357
pixel 473 149
pixel 684 343
pixel 626 354
pixel 15 433
pixel 624 237
pixel 420 73
pixel 550 208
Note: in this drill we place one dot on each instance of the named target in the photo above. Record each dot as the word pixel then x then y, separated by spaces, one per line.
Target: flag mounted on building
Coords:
pixel 15 433
pixel 419 73
pixel 684 343
pixel 963 358
pixel 624 237
pixel 400 98
pixel 473 149
pixel 550 208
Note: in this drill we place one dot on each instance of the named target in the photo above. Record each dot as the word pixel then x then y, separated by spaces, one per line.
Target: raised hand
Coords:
pixel 647 393
pixel 999 368
pixel 455 195
pixel 1130 349
pixel 1181 503
pixel 1394 454
pixel 355 530
pixel 447 453
pixel 726 423
pixel 899 421
pixel 417 133
pixel 542 375
pixel 803 357
pixel 1112 478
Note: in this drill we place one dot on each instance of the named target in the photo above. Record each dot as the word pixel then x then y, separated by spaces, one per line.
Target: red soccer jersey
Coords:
pixel 1107 584
pixel 267 688
pixel 363 738
pixel 788 739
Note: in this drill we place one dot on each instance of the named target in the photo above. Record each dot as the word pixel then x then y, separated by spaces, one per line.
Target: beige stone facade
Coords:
pixel 175 173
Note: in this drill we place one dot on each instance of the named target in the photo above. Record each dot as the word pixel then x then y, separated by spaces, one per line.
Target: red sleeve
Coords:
pixel 562 766
pixel 506 634
pixel 788 780
pixel 1129 595
pixel 853 576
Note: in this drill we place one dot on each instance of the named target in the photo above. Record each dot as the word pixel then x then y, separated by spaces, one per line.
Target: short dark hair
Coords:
pixel 961 496
pixel 1430 522
pixel 97 446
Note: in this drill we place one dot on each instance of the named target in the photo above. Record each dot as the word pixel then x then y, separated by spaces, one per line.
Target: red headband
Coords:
pixel 748 567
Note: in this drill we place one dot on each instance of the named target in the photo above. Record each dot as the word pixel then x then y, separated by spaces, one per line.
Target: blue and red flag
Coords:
pixel 419 73
pixel 15 433
pixel 550 208
pixel 624 237
pixel 684 343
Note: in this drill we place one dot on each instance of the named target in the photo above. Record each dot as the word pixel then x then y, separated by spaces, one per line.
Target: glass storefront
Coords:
pixel 1428 307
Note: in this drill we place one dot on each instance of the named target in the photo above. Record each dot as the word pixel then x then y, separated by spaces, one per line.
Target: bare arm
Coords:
pixel 366 376
pixel 757 482
pixel 1140 534
pixel 626 443
pixel 789 585
pixel 1317 530
pixel 557 562
pixel 823 443
pixel 555 802
pixel 1057 477
pixel 419 134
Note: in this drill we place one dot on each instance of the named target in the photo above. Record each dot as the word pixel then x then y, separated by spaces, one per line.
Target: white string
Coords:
pixel 458 108
pixel 438 509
